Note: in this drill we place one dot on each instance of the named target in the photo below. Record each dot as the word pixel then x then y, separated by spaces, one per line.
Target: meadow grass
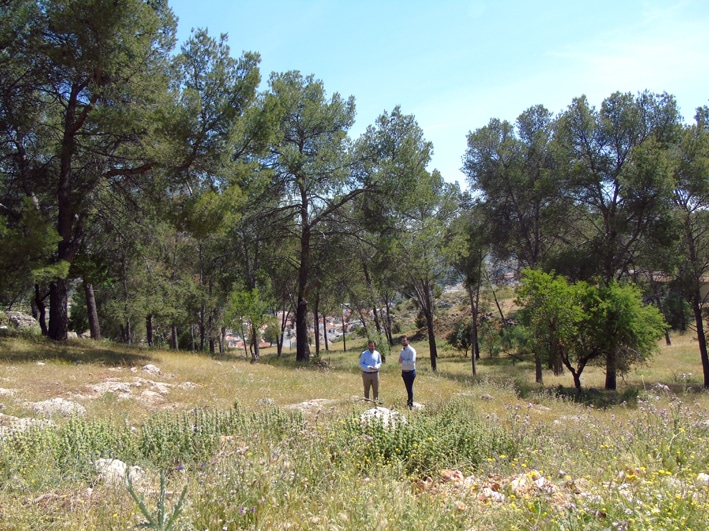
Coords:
pixel 281 445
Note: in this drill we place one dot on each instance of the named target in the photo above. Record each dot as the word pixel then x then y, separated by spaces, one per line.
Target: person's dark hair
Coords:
pixel 404 337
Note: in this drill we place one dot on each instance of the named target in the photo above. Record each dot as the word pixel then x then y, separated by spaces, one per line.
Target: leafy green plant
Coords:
pixel 460 336
pixel 447 437
pixel 67 450
pixel 79 442
pixel 169 438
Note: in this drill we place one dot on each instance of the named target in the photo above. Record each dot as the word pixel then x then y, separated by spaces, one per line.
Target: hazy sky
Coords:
pixel 455 64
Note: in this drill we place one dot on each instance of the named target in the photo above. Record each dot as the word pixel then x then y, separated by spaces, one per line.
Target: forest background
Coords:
pixel 170 198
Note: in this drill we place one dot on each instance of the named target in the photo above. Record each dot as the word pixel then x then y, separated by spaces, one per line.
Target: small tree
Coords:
pixel 272 332
pixel 460 336
pixel 249 309
pixel 625 327
pixel 552 313
pixel 576 324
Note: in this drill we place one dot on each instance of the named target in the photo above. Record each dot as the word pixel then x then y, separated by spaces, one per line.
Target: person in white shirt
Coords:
pixel 370 361
pixel 407 360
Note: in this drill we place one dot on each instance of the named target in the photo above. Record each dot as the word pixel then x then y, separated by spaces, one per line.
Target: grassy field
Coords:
pixel 280 445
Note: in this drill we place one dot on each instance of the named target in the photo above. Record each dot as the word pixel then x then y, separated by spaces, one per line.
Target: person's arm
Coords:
pixel 362 363
pixel 404 356
pixel 377 360
pixel 408 355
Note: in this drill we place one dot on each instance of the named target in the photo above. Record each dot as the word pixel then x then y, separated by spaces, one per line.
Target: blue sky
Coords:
pixel 455 64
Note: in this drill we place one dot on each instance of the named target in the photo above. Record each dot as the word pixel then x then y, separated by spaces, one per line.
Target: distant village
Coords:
pixel 333 326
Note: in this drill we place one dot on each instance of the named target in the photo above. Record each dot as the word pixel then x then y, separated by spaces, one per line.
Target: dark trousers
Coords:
pixel 409 378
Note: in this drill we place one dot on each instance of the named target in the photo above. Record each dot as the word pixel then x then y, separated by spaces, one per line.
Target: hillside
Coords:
pixel 451 306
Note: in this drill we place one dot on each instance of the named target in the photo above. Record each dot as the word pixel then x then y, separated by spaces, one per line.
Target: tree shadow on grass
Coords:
pixel 512 369
pixel 498 367
pixel 597 398
pixel 604 399
pixel 70 351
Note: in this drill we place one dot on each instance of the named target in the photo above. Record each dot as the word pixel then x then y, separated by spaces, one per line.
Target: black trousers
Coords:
pixel 409 378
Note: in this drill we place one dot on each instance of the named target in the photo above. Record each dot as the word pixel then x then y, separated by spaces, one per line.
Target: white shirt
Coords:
pixel 408 358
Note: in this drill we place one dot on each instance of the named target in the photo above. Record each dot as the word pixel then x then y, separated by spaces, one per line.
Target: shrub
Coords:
pixel 449 437
pixel 460 336
pixel 79 442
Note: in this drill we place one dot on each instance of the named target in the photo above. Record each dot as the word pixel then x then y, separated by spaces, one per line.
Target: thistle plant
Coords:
pixel 159 520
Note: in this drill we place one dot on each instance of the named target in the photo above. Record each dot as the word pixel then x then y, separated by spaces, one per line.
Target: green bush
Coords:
pixel 449 437
pixel 51 454
pixel 79 442
pixel 460 336
pixel 166 440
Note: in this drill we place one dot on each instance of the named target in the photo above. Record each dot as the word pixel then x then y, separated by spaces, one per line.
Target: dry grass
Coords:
pixel 40 370
pixel 652 446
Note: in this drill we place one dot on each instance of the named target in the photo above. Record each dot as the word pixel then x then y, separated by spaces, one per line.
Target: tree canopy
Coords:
pixel 167 195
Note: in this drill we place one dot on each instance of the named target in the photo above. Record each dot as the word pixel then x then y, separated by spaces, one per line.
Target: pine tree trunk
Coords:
pixel 301 332
pixel 282 337
pixel 538 369
pixel 324 327
pixel 377 324
pixel 701 338
pixel 40 308
pixel 58 310
pixel 316 324
pixel 390 337
pixel 256 342
pixel 175 340
pixel 127 333
pixel 344 333
pixel 611 370
pixel 92 311
pixel 431 341
pixel 202 328
pixel 149 329
pixel 301 312
pixel 210 327
pixel 427 306
pixel 473 328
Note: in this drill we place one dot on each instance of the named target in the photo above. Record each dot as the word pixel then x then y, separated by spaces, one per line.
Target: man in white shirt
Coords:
pixel 370 361
pixel 407 359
